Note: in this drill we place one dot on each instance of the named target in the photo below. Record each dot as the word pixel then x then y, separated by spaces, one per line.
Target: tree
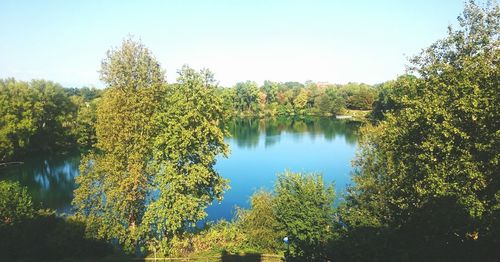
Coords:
pixel 151 176
pixel 15 203
pixel 358 96
pixel 271 90
pixel 17 117
pixel 303 207
pixel 246 95
pixel 189 140
pixel 329 102
pixel 391 96
pixel 439 149
pixel 35 116
pixel 259 223
pixel 228 100
pixel 85 121
pixel 54 112
pixel 115 180
pixel 300 102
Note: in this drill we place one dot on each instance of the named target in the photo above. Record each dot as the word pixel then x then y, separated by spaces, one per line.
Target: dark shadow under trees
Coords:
pixel 49 237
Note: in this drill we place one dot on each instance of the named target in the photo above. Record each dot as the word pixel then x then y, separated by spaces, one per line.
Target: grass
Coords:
pixel 223 256
pixel 359 115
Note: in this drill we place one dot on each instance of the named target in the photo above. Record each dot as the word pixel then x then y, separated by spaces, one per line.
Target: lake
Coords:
pixel 260 148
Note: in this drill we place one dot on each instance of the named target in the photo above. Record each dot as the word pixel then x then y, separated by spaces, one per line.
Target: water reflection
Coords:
pixel 247 131
pixel 49 179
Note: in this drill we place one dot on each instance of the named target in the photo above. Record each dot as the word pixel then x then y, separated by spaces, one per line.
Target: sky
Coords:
pixel 323 41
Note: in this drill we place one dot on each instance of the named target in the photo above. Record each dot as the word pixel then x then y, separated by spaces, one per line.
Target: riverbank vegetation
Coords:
pixel 426 184
pixel 42 116
pixel 296 99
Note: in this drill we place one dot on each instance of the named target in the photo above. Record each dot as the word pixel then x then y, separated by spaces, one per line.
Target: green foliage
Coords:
pixel 358 96
pixel 300 207
pixel 220 237
pixel 151 175
pixel 41 116
pixel 392 96
pixel 17 117
pixel 293 98
pixel 84 129
pixel 246 96
pixel 329 102
pixel 116 180
pixel 189 140
pixel 303 207
pixel 427 174
pixel 259 223
pixel 53 111
pixel 26 233
pixel 15 203
pixel 271 90
pixel 86 93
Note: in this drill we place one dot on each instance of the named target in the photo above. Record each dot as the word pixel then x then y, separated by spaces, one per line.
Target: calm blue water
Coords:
pixel 259 150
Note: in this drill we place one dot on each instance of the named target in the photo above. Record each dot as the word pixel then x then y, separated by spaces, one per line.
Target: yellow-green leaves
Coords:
pixel 151 175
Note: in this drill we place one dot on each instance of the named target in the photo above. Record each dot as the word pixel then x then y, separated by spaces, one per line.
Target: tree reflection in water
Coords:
pixel 247 131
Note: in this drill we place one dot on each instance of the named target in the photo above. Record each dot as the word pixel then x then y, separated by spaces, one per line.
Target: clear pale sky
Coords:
pixel 334 41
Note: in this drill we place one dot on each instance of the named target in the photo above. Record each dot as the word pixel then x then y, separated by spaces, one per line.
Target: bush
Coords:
pixel 29 234
pixel 303 206
pixel 259 223
pixel 15 203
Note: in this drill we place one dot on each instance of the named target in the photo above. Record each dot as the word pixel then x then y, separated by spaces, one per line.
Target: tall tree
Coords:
pixel 188 142
pixel 115 180
pixel 17 117
pixel 271 90
pixel 246 95
pixel 152 175
pixel 34 116
pixel 430 169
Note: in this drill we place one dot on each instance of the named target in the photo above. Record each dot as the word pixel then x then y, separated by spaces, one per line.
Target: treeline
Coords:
pixel 42 116
pixel 294 98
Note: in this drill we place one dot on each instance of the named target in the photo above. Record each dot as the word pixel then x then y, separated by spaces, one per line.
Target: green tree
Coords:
pixel 189 140
pixel 300 102
pixel 34 116
pixel 271 90
pixel 151 176
pixel 358 96
pixel 17 117
pixel 246 95
pixel 15 203
pixel 54 114
pixel 329 102
pixel 303 207
pixel 85 121
pixel 259 223
pixel 438 153
pixel 391 96
pixel 115 181
pixel 228 96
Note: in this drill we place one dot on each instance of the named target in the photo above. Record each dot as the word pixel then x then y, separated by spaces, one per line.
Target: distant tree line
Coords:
pixel 42 116
pixel 294 98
